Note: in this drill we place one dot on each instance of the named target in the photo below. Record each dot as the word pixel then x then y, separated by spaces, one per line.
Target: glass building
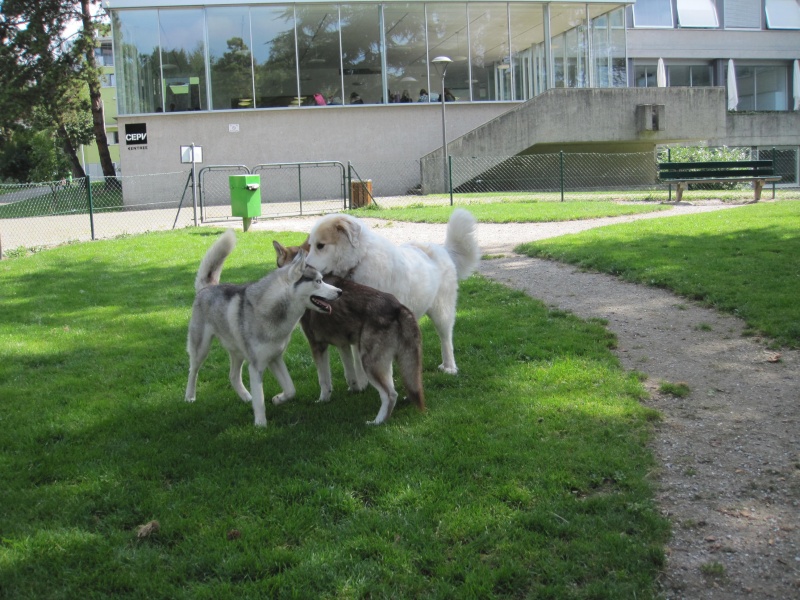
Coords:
pixel 178 56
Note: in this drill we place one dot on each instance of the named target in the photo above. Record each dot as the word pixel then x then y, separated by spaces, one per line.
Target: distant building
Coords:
pixel 266 82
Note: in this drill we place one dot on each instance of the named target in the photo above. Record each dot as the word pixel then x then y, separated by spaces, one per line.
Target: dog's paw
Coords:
pixel 450 370
pixel 261 422
pixel 279 399
pixel 246 398
pixel 323 398
pixel 375 422
pixel 189 399
pixel 357 387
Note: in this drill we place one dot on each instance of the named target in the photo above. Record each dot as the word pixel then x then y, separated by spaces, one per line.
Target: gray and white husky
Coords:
pixel 253 321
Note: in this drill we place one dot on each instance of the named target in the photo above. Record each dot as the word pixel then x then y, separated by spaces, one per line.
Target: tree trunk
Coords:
pixel 98 117
pixel 69 149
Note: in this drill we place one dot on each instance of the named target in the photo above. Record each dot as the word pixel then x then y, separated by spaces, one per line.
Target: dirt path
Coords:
pixel 729 452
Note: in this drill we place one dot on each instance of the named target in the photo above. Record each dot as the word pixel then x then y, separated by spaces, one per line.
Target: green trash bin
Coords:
pixel 245 197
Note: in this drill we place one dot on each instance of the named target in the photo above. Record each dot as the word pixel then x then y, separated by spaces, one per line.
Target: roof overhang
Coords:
pixel 118 4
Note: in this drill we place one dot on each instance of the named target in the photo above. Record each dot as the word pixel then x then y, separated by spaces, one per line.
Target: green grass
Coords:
pixel 743 260
pixel 512 212
pixel 526 477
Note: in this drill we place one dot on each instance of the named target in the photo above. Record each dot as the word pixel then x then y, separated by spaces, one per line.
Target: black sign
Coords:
pixel 135 134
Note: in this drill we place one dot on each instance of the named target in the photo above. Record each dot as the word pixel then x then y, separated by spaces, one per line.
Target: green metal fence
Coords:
pixel 51 213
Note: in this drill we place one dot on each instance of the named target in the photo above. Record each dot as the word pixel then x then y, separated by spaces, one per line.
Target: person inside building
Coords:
pixel 355 98
pixel 423 95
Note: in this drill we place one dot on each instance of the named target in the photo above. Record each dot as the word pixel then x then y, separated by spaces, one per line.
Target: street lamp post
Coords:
pixel 441 63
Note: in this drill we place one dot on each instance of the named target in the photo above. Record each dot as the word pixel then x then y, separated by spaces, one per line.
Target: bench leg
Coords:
pixel 679 191
pixel 758 185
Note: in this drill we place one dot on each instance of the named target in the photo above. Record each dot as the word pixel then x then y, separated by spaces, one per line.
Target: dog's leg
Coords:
pixel 353 369
pixel 278 368
pixel 322 360
pixel 379 372
pixel 257 391
pixel 443 318
pixel 198 345
pixel 236 378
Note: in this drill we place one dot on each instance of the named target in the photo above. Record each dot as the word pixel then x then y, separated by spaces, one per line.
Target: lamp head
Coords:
pixel 441 63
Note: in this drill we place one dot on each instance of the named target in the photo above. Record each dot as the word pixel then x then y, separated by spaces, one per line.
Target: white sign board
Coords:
pixel 187 156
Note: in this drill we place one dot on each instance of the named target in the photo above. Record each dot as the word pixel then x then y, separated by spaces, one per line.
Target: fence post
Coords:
pixel 669 159
pixel 348 192
pixel 450 177
pixel 561 160
pixel 773 170
pixel 91 203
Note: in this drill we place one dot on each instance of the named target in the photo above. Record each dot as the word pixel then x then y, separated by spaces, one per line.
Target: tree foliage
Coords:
pixel 44 77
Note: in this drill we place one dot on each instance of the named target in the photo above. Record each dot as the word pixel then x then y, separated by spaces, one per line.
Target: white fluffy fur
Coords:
pixel 424 277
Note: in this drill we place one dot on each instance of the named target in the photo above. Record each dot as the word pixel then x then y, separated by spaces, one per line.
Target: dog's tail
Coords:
pixel 211 266
pixel 461 244
pixel 409 357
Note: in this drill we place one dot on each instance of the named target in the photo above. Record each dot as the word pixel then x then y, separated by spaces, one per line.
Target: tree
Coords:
pixel 44 75
pixel 87 44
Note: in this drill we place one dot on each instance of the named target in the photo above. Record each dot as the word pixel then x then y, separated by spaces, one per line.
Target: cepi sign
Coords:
pixel 136 136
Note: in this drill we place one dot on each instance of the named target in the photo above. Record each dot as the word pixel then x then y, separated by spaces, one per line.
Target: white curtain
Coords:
pixel 733 94
pixel 796 84
pixel 661 74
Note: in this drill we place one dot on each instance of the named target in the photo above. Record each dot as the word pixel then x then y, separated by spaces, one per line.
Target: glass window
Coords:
pixel 644 75
pixel 318 54
pixel 689 75
pixel 230 61
pixel 406 52
pixel 274 56
pixel 762 87
pixel 137 63
pixel 361 53
pixel 652 13
pixel 489 51
pixel 448 35
pixel 697 13
pixel 183 62
pixel 608 48
pixel 619 47
pixel 742 14
pixel 783 14
pixel 571 68
pixel 527 52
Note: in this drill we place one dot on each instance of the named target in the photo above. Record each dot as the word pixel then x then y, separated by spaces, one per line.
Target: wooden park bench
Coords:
pixel 685 173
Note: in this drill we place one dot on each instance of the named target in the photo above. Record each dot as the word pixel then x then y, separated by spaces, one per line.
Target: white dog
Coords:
pixel 424 277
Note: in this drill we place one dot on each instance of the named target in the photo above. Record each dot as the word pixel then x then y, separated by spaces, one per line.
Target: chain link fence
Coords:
pixel 51 213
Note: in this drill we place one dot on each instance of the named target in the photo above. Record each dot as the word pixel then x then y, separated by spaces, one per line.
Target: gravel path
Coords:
pixel 729 452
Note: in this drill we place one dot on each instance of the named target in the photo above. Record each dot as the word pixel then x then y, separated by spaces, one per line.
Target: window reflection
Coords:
pixel 361 54
pixel 406 52
pixel 183 59
pixel 274 55
pixel 448 36
pixel 230 61
pixel 323 54
pixel 137 61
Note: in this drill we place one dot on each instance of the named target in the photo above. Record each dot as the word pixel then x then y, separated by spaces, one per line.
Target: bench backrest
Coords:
pixel 715 169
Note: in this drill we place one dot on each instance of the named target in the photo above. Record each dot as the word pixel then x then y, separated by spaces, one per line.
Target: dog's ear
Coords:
pixel 281 255
pixel 306 246
pixel 297 266
pixel 352 229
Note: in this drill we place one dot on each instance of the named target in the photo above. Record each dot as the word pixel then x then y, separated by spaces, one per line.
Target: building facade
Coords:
pixel 263 82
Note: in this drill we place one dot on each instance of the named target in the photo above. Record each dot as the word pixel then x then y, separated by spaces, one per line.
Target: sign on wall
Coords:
pixel 136 136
